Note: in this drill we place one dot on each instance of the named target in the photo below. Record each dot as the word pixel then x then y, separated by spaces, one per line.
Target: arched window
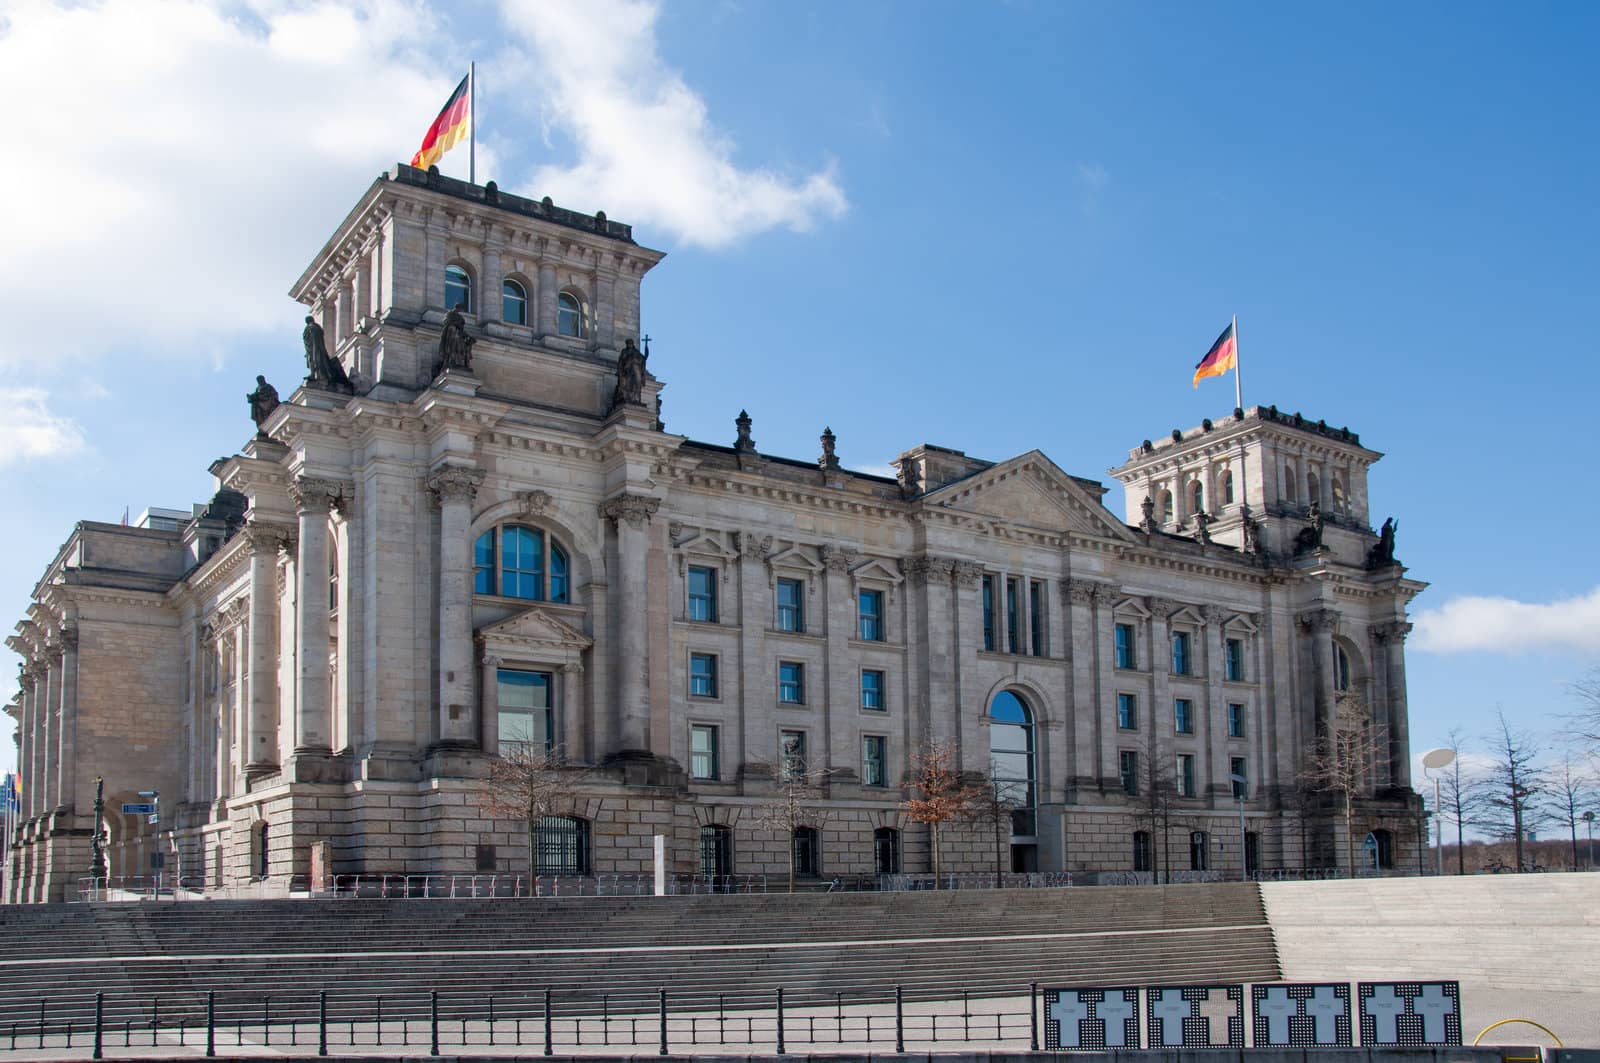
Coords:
pixel 716 851
pixel 513 303
pixel 886 851
pixel 457 289
pixel 516 561
pixel 1289 493
pixel 1141 850
pixel 1197 497
pixel 807 853
pixel 1227 487
pixel 1313 488
pixel 1340 502
pixel 1199 855
pixel 561 846
pixel 1011 758
pixel 1341 668
pixel 569 316
pixel 1164 510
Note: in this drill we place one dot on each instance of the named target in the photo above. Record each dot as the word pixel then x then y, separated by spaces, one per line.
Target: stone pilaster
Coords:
pixel 455 487
pixel 49 724
pixel 548 292
pixel 629 513
pixel 260 755
pixel 312 733
pixel 949 705
pixel 67 715
pixel 1391 640
pixel 1214 717
pixel 1319 625
pixel 28 754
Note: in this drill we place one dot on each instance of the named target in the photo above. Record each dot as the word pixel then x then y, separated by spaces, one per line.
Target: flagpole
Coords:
pixel 472 128
pixel 1238 374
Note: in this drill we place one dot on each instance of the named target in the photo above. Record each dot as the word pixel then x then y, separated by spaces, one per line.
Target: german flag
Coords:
pixel 1223 356
pixel 448 129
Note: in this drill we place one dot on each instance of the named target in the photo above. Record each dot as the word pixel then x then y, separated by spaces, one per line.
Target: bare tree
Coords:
pixel 939 795
pixel 1457 796
pixel 1583 723
pixel 1571 791
pixel 1158 795
pixel 1512 790
pixel 1342 761
pixel 796 803
pixel 528 782
pixel 994 803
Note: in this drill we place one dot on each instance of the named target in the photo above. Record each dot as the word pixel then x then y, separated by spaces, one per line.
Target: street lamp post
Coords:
pixel 1588 817
pixel 97 847
pixel 1434 760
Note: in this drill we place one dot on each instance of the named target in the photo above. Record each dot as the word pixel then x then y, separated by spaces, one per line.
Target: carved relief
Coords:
pixel 923 570
pixel 1391 631
pixel 1161 608
pixel 1318 620
pixel 1215 614
pixel 534 503
pixel 751 545
pixel 635 509
pixel 838 558
pixel 313 495
pixel 966 573
pixel 455 484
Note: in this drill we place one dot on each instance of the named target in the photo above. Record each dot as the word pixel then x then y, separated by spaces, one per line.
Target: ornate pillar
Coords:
pixel 1391 639
pixel 454 487
pixel 547 298
pixel 490 307
pixel 313 679
pixel 260 754
pixel 67 744
pixel 1319 624
pixel 630 512
pixel 28 754
pixel 49 695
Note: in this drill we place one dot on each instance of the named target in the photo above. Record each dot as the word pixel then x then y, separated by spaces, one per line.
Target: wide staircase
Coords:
pixel 614 953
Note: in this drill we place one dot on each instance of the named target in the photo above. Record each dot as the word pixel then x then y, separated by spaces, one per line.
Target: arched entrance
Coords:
pixel 1011 770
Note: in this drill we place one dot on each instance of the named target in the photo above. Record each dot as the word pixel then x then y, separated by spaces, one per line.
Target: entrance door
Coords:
pixel 716 852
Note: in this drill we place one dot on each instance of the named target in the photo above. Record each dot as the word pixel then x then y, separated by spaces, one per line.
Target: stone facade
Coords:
pixel 388 583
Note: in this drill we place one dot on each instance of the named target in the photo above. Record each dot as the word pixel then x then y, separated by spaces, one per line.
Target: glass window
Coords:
pixel 703 594
pixel 1227 488
pixel 1186 775
pixel 874 760
pixel 869 606
pixel 716 851
pixel 791 682
pixel 1235 720
pixel 1165 509
pixel 1233 659
pixel 513 303
pixel 792 754
pixel 569 316
pixel 1181 662
pixel 988 613
pixel 1036 618
pixel 1011 757
pixel 886 851
pixel 457 289
pixel 561 846
pixel 1236 767
pixel 1126 657
pixel 1313 488
pixel 1128 769
pixel 516 569
pixel 1339 498
pixel 1341 669
pixel 1197 497
pixel 1141 850
pixel 483 564
pixel 807 852
pixel 1183 716
pixel 703 675
pixel 703 751
pixel 791 605
pixel 1199 854
pixel 525 711
pixel 1127 711
pixel 1013 633
pixel 521 562
pixel 1289 484
pixel 872 690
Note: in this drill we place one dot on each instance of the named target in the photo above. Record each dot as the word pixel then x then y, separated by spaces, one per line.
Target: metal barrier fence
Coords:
pixel 547 1020
pixel 421 887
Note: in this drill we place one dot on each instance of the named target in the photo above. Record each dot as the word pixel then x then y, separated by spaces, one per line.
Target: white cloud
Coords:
pixel 1504 625
pixel 175 163
pixel 647 151
pixel 29 431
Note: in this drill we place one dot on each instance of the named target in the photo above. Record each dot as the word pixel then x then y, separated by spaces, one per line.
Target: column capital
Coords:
pixel 924 569
pixel 836 558
pixel 636 509
pixel 455 483
pixel 314 495
pixel 1085 591
pixel 1161 608
pixel 1394 631
pixel 966 573
pixel 1215 614
pixel 69 637
pixel 1318 621
pixel 265 538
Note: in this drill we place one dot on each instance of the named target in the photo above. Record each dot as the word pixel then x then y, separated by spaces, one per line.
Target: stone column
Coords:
pixel 961 722
pixel 260 754
pixel 67 744
pixel 1319 624
pixel 490 307
pixel 28 754
pixel 49 703
pixel 547 298
pixel 363 285
pixel 1162 708
pixel 314 498
pixel 1214 725
pixel 1083 733
pixel 455 487
pixel 1391 639
pixel 630 512
pixel 605 311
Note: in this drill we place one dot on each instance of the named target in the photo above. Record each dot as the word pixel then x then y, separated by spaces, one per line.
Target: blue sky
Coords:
pixel 991 227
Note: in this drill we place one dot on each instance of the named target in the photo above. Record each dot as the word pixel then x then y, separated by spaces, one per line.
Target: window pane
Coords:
pixel 792 755
pixel 525 715
pixel 1127 711
pixel 874 760
pixel 703 594
pixel 1235 721
pixel 703 752
pixel 703 675
pixel 558 573
pixel 483 564
pixel 1125 655
pixel 569 315
pixel 513 303
pixel 457 289
pixel 1036 618
pixel 872 690
pixel 1235 660
pixel 870 608
pixel 521 562
pixel 988 613
pixel 1183 715
pixel 791 599
pixel 791 682
pixel 1013 636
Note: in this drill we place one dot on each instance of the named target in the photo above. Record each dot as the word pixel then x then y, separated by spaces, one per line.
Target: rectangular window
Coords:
pixel 1126 657
pixel 1036 644
pixel 1127 711
pixel 1234 660
pixel 1128 768
pixel 869 610
pixel 791 605
pixel 703 751
pixel 1235 720
pixel 702 675
pixel 1013 633
pixel 874 760
pixel 872 690
pixel 1180 653
pixel 792 756
pixel 703 594
pixel 1236 767
pixel 791 682
pixel 1199 857
pixel 1141 850
pixel 524 711
pixel 988 613
pixel 1185 775
pixel 1183 716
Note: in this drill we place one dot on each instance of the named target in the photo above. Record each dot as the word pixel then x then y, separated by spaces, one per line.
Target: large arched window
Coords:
pixel 457 289
pixel 561 846
pixel 1340 499
pixel 513 303
pixel 569 316
pixel 886 851
pixel 1011 758
pixel 516 561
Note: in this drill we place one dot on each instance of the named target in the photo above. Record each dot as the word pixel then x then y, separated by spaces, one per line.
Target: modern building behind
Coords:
pixel 396 580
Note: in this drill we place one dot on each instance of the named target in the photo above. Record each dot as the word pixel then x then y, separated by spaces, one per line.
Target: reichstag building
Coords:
pixel 468 533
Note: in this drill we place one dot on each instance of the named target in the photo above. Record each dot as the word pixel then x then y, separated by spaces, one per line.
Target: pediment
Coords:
pixel 1034 491
pixel 1187 615
pixel 1133 607
pixel 535 628
pixel 1240 622
pixel 793 556
pixel 704 541
pixel 877 570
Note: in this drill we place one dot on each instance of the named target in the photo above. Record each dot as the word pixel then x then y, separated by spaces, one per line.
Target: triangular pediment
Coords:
pixel 878 570
pixel 1186 615
pixel 1131 607
pixel 535 627
pixel 1033 491
pixel 793 556
pixel 1241 622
